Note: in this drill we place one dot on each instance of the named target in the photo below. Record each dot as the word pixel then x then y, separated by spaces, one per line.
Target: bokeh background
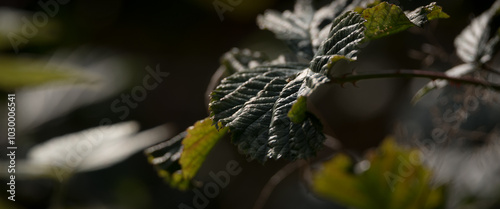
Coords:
pixel 118 39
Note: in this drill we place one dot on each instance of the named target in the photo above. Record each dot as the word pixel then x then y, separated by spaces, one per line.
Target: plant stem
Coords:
pixel 433 75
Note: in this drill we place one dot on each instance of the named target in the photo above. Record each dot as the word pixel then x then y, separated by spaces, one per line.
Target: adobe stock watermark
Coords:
pixel 222 6
pixel 74 156
pixel 39 19
pixel 210 190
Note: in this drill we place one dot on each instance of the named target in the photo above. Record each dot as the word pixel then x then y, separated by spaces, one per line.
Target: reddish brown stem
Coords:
pixel 352 78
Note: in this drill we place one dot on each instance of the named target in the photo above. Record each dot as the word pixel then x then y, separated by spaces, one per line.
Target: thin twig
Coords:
pixel 353 78
pixel 275 180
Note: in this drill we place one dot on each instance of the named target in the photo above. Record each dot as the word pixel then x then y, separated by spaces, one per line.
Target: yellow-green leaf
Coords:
pixel 390 178
pixel 199 141
pixel 297 113
pixel 179 158
pixel 386 19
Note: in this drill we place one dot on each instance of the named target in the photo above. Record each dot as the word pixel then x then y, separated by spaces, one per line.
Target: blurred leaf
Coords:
pixel 88 150
pixel 391 177
pixel 17 30
pixel 456 71
pixel 179 159
pixel 22 72
pixel 107 72
pixel 386 19
pixel 473 45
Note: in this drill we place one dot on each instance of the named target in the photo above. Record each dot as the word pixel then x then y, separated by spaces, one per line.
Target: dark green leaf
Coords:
pixel 254 104
pixel 305 29
pixel 343 39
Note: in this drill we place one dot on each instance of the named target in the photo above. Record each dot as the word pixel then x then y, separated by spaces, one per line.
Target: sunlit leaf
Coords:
pixel 472 43
pixel 88 150
pixel 386 19
pixel 108 75
pixel 198 142
pixel 179 159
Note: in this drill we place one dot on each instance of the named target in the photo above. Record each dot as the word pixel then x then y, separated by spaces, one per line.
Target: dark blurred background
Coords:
pixel 187 38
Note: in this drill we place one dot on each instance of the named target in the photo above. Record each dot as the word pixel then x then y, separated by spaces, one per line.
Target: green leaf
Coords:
pixel 22 72
pixel 434 12
pixel 200 139
pixel 390 178
pixel 386 19
pixel 254 104
pixel 179 159
pixel 423 14
pixel 342 42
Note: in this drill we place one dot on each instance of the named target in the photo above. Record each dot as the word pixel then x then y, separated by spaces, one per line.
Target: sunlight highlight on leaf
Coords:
pixel 179 159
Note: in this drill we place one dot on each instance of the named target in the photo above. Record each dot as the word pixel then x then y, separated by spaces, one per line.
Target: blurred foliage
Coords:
pixel 391 177
pixel 24 72
pixel 475 46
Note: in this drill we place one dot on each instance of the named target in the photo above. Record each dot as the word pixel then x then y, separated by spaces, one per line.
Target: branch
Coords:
pixel 353 78
pixel 489 69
